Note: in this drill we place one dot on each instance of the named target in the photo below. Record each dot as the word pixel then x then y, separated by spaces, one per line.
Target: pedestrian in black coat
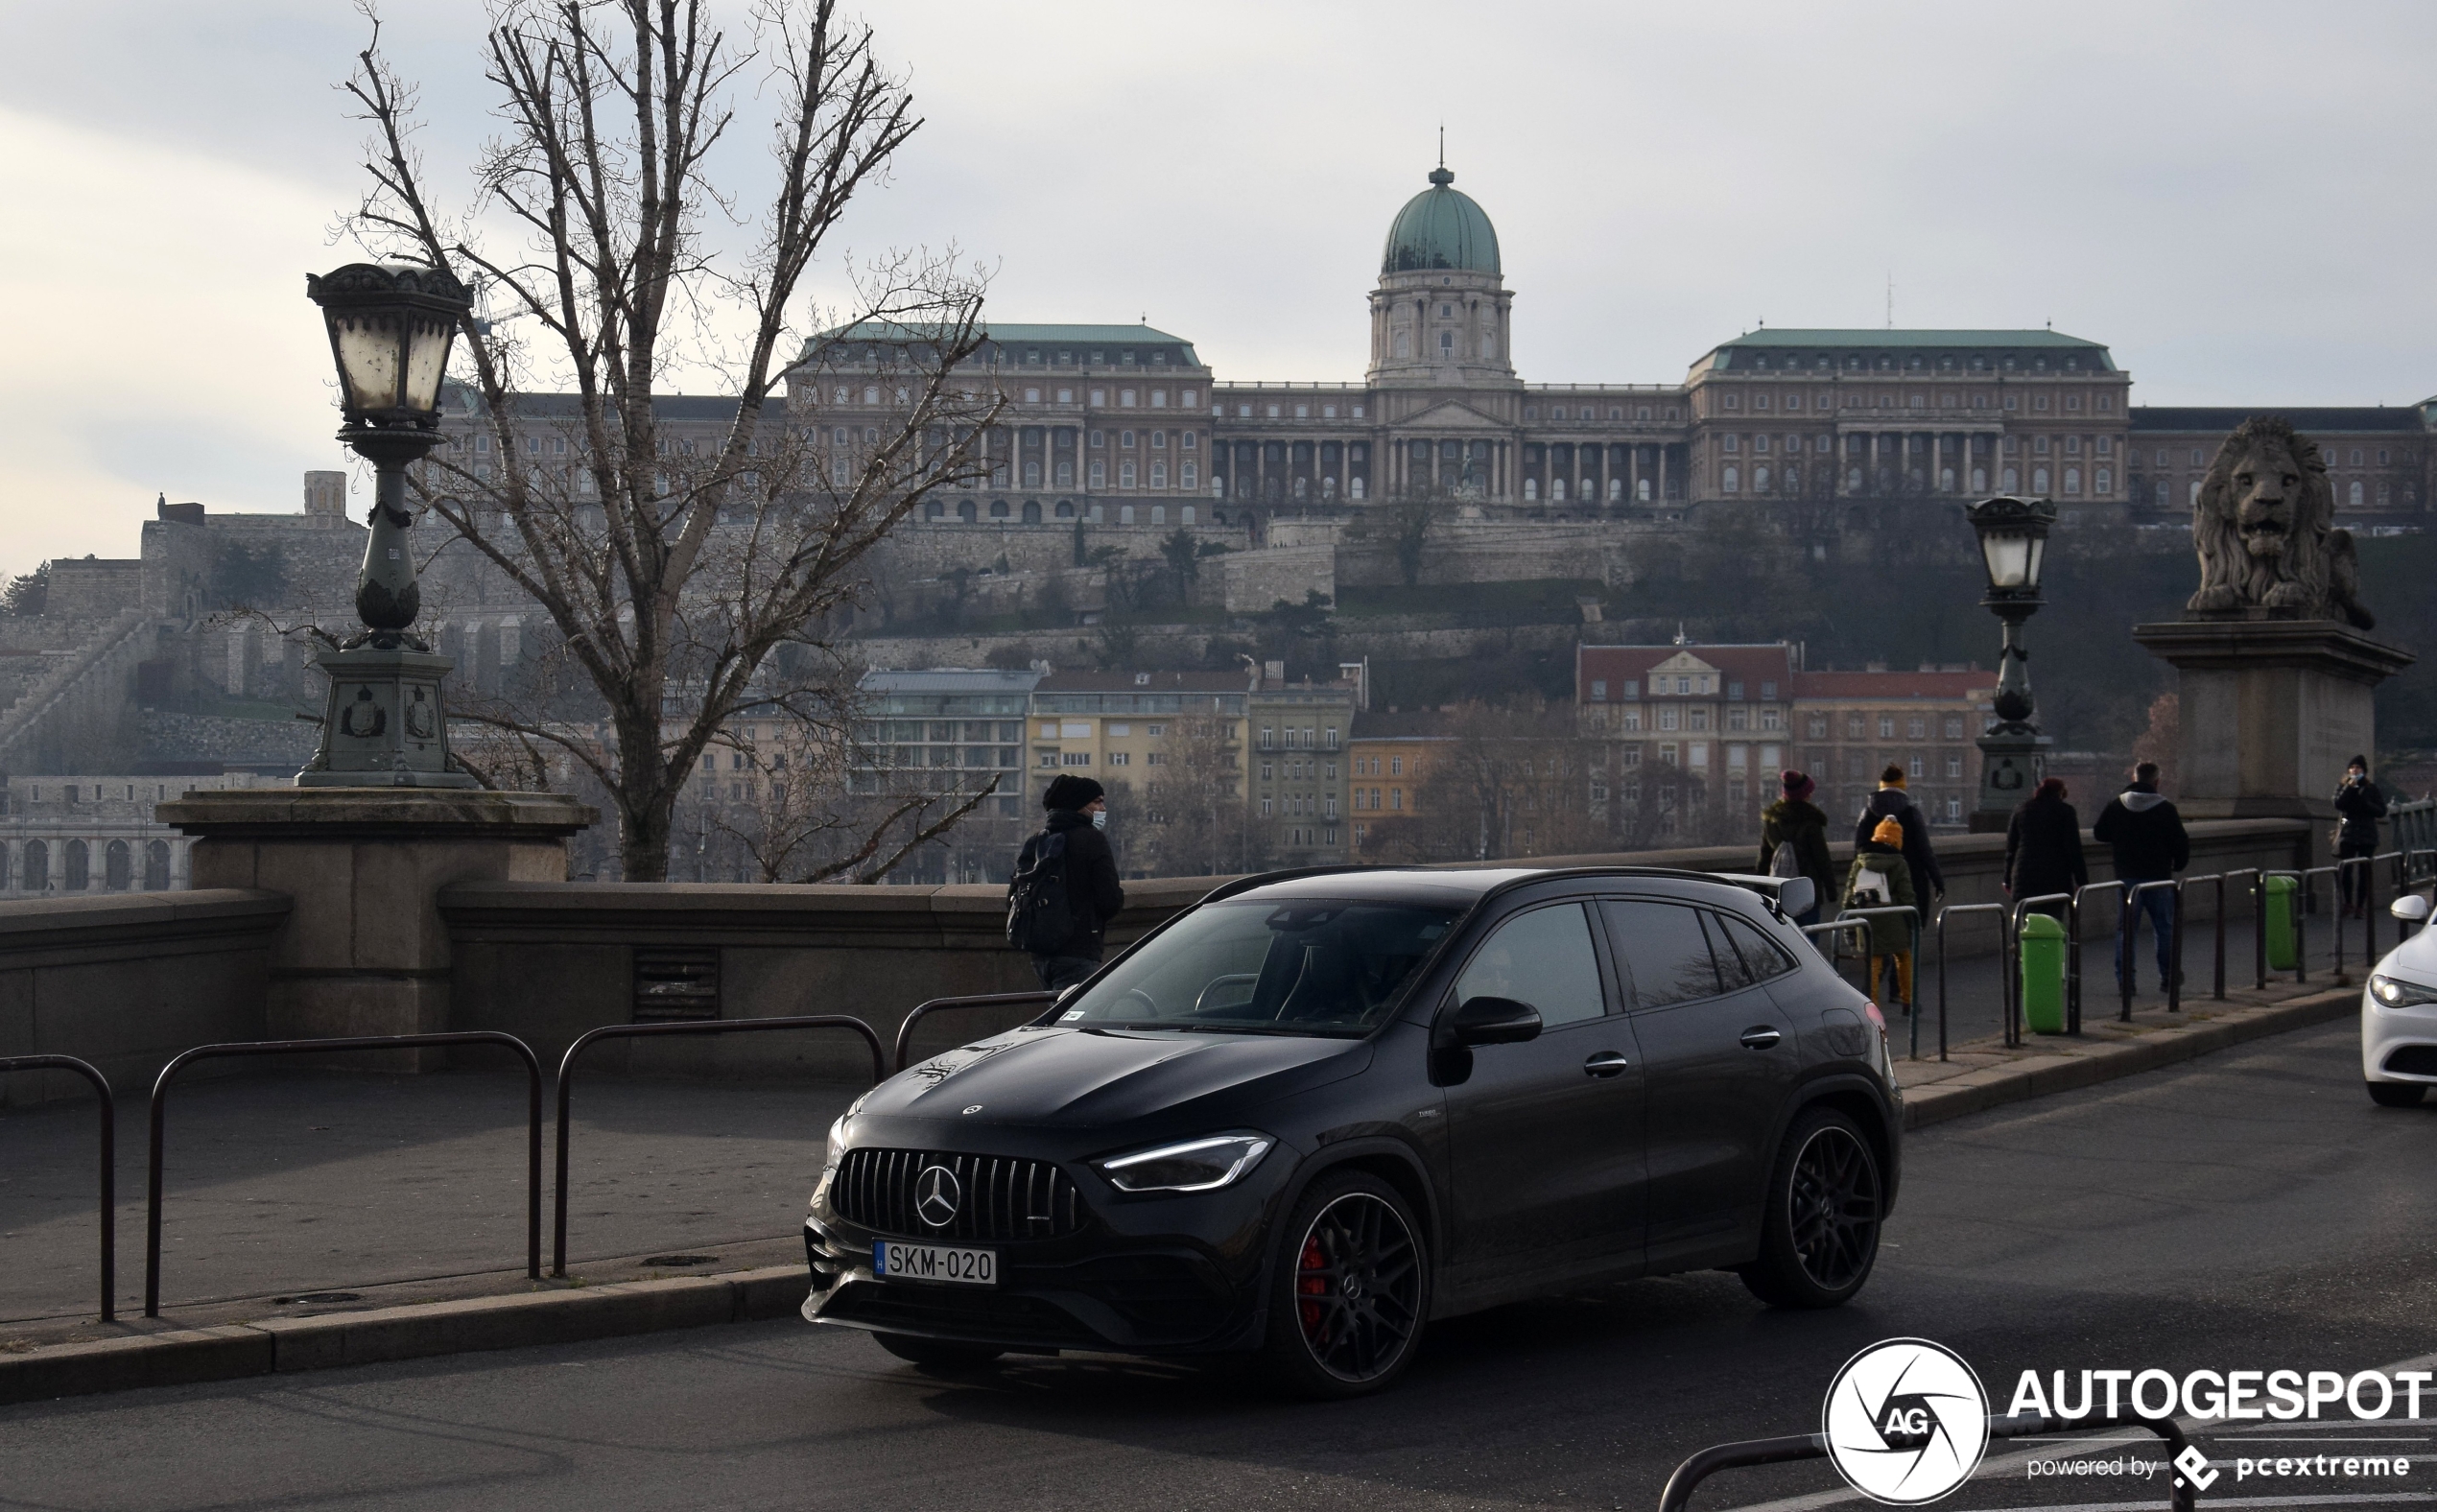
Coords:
pixel 1892 802
pixel 2360 804
pixel 2043 847
pixel 1075 808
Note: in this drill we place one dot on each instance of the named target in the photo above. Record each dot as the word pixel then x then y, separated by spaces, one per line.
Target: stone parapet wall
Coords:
pixel 127 981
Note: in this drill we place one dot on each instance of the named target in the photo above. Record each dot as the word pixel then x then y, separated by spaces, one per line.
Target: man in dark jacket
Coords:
pixel 1892 802
pixel 1078 807
pixel 2362 804
pixel 1794 820
pixel 2147 837
pixel 2043 847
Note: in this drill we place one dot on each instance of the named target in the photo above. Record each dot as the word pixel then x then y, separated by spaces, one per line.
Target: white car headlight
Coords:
pixel 835 1150
pixel 1199 1165
pixel 2395 993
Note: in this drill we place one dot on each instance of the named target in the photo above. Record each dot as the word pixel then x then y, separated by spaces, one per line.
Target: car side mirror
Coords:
pixel 1796 895
pixel 2411 908
pixel 1495 1021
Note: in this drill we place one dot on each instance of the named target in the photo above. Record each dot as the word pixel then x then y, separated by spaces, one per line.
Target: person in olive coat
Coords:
pixel 1882 879
pixel 2043 847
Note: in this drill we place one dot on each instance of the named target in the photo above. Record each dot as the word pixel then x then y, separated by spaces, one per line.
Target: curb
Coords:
pixel 277 1346
pixel 1975 1091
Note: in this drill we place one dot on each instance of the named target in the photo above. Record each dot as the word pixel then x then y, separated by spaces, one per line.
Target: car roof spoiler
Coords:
pixel 1772 890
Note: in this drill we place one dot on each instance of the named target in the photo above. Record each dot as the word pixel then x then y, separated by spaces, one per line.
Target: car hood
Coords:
pixel 2415 960
pixel 1065 1077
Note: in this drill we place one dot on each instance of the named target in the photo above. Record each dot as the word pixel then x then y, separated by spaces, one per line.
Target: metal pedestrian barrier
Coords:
pixel 1912 921
pixel 1816 932
pixel 109 1161
pixel 2258 885
pixel 1678 1495
pixel 316 1047
pixel 586 1041
pixel 2130 924
pixel 989 999
pixel 1944 914
pixel 2073 945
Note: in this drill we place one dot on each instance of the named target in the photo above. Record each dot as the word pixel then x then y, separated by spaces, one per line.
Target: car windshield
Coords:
pixel 1304 967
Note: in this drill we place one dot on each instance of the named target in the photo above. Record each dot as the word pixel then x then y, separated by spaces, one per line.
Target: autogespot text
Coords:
pixel 2231 1396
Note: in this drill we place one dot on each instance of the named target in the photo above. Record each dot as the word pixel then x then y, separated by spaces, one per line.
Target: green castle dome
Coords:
pixel 1440 228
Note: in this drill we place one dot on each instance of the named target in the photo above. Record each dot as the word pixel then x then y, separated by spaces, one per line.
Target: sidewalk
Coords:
pixel 397 1188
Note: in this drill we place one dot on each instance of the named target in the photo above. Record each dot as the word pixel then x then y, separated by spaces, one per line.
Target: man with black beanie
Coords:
pixel 1078 807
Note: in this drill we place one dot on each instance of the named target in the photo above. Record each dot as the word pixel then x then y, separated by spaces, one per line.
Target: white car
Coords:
pixel 2399 1014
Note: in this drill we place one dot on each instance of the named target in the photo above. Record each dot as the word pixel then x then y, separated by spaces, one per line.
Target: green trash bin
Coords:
pixel 2281 894
pixel 2041 944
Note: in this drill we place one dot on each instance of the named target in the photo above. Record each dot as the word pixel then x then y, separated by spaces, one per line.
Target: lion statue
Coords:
pixel 2264 527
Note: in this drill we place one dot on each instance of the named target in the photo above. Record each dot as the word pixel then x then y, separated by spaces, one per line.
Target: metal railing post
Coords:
pixel 2074 979
pixel 2217 971
pixel 1952 908
pixel 108 1185
pixel 584 1041
pixel 316 1047
pixel 994 1000
pixel 2259 930
pixel 2174 983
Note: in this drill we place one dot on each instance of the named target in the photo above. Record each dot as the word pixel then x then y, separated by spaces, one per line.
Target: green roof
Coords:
pixel 2034 343
pixel 1788 335
pixel 1440 228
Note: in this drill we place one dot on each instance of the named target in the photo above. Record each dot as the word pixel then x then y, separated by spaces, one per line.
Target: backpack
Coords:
pixel 1870 889
pixel 1784 862
pixel 1040 917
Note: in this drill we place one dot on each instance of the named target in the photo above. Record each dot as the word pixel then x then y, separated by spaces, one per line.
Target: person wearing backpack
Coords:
pixel 1793 842
pixel 1882 879
pixel 1065 888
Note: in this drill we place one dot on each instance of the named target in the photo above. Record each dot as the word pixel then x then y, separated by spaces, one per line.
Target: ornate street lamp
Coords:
pixel 391 326
pixel 2014 548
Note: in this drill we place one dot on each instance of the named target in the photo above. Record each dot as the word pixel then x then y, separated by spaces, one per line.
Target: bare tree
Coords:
pixel 788 817
pixel 684 590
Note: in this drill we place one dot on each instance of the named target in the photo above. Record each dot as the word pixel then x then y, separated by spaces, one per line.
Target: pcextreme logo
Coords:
pixel 1907 1422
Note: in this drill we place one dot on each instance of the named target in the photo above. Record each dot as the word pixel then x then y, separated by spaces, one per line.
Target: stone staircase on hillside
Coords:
pixel 85 699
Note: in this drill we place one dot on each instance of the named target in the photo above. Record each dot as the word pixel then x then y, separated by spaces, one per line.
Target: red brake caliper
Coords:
pixel 1310 1282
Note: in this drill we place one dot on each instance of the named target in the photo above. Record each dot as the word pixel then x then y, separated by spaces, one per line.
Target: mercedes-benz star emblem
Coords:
pixel 937 1193
pixel 1907 1422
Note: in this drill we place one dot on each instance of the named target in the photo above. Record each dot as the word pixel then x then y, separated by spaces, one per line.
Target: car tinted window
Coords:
pixel 1762 956
pixel 1304 967
pixel 1664 954
pixel 1732 974
pixel 1542 957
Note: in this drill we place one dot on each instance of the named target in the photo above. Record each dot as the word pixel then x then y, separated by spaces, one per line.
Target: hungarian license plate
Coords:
pixel 970 1267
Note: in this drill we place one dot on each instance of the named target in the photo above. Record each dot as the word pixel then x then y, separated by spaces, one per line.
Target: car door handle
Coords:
pixel 1760 1036
pixel 1606 1063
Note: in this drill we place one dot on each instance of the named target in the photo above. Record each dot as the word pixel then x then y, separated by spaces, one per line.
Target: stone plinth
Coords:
pixel 2270 711
pixel 365 950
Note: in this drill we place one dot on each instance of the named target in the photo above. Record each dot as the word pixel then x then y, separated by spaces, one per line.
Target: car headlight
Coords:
pixel 2395 993
pixel 1199 1165
pixel 835 1150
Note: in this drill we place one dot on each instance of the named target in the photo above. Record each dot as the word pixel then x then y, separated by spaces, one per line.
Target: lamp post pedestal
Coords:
pixel 2012 763
pixel 384 724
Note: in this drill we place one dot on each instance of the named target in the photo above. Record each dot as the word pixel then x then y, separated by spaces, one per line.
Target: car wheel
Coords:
pixel 1349 1292
pixel 1820 1235
pixel 2398 1094
pixel 936 1353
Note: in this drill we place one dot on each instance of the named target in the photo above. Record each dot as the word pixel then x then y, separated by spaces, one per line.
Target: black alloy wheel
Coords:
pixel 1352 1290
pixel 1820 1236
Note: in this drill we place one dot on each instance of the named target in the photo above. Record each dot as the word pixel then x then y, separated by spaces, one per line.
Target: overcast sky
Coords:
pixel 2231 196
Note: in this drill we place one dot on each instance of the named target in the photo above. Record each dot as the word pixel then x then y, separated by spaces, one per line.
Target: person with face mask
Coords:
pixel 1078 813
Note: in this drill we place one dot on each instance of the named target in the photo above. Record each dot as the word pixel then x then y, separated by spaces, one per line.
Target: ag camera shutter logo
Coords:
pixel 1905 1421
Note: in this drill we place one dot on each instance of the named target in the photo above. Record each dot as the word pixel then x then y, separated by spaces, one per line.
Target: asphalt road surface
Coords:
pixel 2251 1210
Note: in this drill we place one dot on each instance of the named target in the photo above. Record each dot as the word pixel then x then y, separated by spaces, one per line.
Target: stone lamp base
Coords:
pixel 365 950
pixel 383 726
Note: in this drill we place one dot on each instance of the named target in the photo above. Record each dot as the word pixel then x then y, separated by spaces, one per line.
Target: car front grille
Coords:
pixel 999 1198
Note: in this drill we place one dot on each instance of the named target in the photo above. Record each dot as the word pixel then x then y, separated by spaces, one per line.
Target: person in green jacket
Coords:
pixel 1794 820
pixel 1882 880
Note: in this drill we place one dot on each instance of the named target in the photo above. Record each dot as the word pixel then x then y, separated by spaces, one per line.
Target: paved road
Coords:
pixel 2252 1209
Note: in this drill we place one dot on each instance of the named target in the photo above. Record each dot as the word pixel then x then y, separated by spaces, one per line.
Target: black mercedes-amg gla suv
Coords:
pixel 1314 1111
